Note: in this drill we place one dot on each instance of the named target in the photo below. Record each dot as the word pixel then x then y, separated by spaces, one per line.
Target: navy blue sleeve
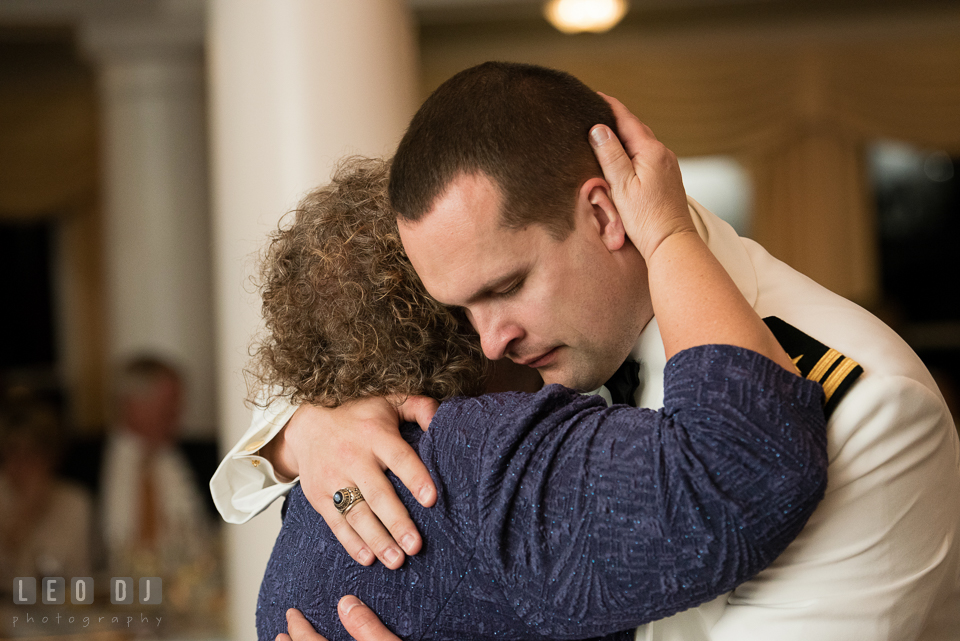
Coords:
pixel 593 519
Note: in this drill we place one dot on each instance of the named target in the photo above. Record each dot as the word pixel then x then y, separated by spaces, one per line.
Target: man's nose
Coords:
pixel 496 333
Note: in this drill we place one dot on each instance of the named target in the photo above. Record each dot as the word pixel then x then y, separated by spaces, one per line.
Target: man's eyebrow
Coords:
pixel 492 287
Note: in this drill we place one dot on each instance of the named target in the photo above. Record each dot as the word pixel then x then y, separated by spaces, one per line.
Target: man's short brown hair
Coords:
pixel 523 126
pixel 346 315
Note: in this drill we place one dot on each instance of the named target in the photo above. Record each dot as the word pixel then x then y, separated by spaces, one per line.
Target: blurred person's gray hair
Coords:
pixel 137 376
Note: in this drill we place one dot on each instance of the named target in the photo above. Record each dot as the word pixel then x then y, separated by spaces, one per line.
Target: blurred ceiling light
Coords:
pixel 575 16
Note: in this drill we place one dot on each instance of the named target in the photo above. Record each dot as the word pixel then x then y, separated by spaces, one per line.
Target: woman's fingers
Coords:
pixel 617 167
pixel 634 134
pixel 644 178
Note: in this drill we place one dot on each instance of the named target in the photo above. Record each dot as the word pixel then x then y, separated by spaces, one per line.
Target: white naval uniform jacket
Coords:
pixel 879 559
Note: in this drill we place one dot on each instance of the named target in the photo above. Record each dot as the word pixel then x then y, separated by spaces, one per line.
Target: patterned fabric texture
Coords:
pixel 561 518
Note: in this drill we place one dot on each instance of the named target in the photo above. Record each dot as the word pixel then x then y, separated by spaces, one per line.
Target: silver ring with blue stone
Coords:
pixel 345 498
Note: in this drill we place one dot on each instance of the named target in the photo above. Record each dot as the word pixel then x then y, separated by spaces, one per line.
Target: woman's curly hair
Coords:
pixel 346 315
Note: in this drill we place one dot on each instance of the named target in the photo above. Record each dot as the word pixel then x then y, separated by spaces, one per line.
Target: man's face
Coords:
pixel 570 308
pixel 154 413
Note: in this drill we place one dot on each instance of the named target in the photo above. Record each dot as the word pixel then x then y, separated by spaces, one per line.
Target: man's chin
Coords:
pixel 582 383
pixel 553 378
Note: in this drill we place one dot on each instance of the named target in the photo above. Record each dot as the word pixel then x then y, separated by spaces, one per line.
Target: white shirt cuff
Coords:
pixel 245 483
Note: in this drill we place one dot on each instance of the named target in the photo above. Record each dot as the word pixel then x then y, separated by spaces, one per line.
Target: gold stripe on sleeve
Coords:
pixel 824 364
pixel 838 375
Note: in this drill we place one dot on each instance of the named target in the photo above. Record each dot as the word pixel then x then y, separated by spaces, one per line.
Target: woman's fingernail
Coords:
pixel 599 135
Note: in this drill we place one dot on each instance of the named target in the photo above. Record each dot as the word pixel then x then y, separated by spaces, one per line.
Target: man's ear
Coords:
pixel 597 206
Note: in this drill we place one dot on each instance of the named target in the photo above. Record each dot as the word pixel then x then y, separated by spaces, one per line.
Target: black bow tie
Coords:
pixel 624 383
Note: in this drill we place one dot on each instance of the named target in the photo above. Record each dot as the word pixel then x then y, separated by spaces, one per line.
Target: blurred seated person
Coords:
pixel 45 522
pixel 557 516
pixel 152 514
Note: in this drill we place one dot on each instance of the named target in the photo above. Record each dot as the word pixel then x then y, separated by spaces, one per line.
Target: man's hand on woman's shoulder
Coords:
pixel 351 446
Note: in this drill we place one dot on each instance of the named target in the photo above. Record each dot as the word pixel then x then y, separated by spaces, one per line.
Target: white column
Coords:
pixel 156 214
pixel 295 85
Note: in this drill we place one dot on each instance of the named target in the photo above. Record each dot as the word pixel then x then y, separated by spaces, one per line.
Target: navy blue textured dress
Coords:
pixel 560 518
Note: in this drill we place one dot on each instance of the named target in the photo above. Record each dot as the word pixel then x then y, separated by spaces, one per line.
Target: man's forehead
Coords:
pixel 459 259
pixel 467 210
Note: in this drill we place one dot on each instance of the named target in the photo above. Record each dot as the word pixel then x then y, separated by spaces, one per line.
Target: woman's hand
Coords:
pixel 645 185
pixel 359 620
pixel 694 299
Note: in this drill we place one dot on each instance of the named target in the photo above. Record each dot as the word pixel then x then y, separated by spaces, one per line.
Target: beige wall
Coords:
pixel 294 86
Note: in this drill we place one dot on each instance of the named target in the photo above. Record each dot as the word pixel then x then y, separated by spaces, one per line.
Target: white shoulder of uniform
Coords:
pixel 880 557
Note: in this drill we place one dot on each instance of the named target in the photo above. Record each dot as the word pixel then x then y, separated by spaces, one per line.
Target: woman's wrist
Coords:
pixel 669 241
